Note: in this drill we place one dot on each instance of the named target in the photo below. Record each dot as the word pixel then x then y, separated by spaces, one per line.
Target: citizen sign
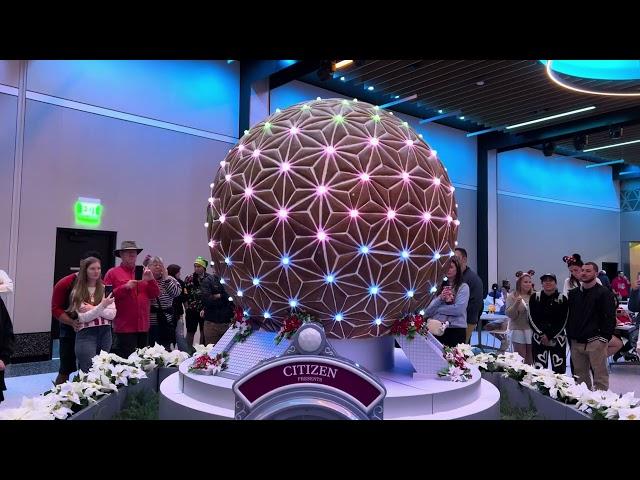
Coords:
pixel 314 372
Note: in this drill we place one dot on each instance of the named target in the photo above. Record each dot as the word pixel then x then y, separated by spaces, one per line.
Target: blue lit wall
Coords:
pixel 528 172
pixel 197 94
pixel 549 207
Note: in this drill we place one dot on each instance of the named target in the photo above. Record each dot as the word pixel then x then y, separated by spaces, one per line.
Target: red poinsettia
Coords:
pixel 291 324
pixel 409 326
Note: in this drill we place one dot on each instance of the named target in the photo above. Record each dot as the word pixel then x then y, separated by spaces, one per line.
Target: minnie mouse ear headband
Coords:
pixel 574 259
pixel 520 273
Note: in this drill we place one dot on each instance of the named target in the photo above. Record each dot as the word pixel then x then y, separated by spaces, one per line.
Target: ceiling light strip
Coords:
pixel 551 117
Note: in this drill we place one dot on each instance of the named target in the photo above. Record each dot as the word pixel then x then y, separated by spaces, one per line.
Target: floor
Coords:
pixel 31 379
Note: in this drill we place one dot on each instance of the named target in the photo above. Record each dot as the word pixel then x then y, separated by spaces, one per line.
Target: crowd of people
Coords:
pixel 137 306
pixel 542 324
pixel 134 307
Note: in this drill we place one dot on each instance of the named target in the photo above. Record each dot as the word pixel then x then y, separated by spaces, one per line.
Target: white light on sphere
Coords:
pixel 285 260
pixel 436 256
pixel 211 244
pixel 378 321
pixel 222 218
pixel 223 163
pixel 410 293
pixel 339 317
pixel 222 282
pixel 239 293
pixel 330 278
pixel 256 281
pixel 210 200
pixel 309 340
pixel 266 315
pixel 364 249
pixel 455 243
pixel 373 290
pixel 230 299
pixel 227 260
pixel 404 254
pixel 211 185
pixel 452 253
pixel 293 303
pixel 206 224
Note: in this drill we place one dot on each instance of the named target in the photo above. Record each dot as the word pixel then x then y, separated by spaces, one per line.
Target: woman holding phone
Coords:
pixel 518 312
pixel 450 305
pixel 94 311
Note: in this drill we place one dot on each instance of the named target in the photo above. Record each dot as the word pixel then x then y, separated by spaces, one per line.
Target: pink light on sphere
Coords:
pixel 256 153
pixel 426 216
pixel 248 192
pixel 436 181
pixel 227 177
pixel 456 222
pixel 294 130
pixel 285 166
pixel 248 239
pixel 222 218
pixel 408 142
pixel 364 177
pixel 223 163
pixel 321 235
pixel 283 213
pixel 329 150
pixel 374 141
pixel 452 188
pixel 449 219
pixel 240 147
pixel 321 190
pixel 434 153
pixel 391 214
pixel 405 176
pixel 353 213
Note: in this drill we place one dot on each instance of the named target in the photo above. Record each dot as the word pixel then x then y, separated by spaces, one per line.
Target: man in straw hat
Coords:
pixel 133 300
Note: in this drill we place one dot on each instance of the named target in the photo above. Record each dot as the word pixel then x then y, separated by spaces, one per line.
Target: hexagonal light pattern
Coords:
pixel 394 197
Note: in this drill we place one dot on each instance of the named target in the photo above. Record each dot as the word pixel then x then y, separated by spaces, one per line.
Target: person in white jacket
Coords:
pixel 94 311
pixel 6 284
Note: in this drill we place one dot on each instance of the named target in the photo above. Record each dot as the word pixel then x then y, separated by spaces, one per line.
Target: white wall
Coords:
pixel 549 207
pixel 153 181
pixel 457 152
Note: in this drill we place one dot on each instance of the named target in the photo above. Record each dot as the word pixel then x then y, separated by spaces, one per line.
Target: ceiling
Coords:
pixel 490 94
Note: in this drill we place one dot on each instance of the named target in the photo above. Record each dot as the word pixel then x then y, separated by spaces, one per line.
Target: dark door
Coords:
pixel 71 245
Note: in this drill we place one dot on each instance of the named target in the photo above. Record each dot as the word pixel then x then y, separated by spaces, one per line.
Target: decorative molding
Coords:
pixel 553 200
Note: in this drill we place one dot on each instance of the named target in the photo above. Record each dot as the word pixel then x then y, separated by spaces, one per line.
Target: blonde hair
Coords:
pixel 80 292
pixel 519 284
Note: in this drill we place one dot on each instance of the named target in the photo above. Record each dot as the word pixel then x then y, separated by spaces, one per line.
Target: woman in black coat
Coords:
pixel 7 344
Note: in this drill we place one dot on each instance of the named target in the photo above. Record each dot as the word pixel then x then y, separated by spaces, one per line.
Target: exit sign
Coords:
pixel 88 212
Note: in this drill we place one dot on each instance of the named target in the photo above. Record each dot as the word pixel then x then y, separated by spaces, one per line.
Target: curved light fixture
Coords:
pixel 618 73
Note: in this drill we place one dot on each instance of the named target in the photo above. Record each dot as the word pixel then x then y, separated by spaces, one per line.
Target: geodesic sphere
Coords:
pixel 335 207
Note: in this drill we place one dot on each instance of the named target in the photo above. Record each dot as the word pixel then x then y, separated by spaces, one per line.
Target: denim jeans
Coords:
pixel 89 342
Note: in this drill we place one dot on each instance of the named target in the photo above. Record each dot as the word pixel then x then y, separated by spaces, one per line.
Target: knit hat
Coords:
pixel 200 261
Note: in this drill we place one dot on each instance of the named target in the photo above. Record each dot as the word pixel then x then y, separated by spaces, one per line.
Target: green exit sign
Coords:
pixel 88 212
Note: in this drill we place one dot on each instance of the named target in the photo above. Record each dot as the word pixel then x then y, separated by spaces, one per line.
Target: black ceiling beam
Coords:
pixel 511 141
pixel 275 71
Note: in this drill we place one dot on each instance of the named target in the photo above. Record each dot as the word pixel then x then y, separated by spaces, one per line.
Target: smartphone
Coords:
pixel 445 282
pixel 108 290
pixel 139 270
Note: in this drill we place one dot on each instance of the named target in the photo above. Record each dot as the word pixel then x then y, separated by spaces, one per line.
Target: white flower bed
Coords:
pixel 108 372
pixel 599 404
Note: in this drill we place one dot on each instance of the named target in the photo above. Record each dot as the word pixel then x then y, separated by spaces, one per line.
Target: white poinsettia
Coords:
pixel 22 413
pixel 456 374
pixel 465 349
pixel 629 413
pixel 175 358
pixel 202 350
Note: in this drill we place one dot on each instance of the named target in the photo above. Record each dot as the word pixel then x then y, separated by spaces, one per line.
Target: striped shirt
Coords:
pixel 95 316
pixel 169 289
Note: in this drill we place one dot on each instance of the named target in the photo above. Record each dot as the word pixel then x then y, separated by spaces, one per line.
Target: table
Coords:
pixel 488 317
